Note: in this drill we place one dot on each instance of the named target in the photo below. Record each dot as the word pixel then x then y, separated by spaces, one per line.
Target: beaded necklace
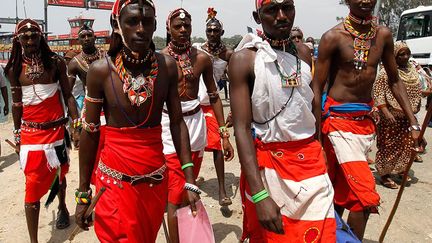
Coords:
pixel 214 50
pixel 139 88
pixel 134 60
pixel 360 21
pixel 34 67
pixel 362 42
pixel 183 58
pixel 287 80
pixel 89 58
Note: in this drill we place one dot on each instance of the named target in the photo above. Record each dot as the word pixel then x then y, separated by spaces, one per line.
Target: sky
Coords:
pixel 314 17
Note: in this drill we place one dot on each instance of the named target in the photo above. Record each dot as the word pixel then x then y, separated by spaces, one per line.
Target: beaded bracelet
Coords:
pixel 258 197
pixel 223 132
pixel 91 127
pixel 192 188
pixel 83 198
pixel 187 165
pixel 17 135
pixel 76 123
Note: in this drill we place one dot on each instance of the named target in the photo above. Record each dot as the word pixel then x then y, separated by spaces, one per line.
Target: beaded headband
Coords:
pixel 117 7
pixel 85 28
pixel 27 24
pixel 260 3
pixel 181 12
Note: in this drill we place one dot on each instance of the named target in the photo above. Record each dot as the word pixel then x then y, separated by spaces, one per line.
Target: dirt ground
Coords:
pixel 411 224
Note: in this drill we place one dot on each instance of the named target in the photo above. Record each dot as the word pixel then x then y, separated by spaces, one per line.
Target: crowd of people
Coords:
pixel 304 120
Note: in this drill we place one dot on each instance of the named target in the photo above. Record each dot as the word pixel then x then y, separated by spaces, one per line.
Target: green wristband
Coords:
pixel 262 197
pixel 187 165
pixel 259 194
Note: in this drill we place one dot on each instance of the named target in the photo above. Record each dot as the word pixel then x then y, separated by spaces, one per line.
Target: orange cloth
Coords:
pixel 294 162
pixel 128 213
pixel 176 176
pixel 346 142
pixel 213 136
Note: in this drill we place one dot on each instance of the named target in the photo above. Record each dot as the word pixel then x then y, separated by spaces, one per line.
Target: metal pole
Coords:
pixel 46 16
pixel 16 11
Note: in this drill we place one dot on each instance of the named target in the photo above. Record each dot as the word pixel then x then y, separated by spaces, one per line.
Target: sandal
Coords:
pixel 62 221
pixel 388 182
pixel 418 159
pixel 409 179
pixel 226 201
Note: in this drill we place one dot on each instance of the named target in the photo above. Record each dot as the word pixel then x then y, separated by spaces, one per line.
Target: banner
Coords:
pixel 107 5
pixel 93 4
pixel 68 3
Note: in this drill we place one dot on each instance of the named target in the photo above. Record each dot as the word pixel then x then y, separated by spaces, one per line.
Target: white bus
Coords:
pixel 415 28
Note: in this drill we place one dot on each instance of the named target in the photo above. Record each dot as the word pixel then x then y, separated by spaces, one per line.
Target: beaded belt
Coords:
pixel 45 125
pixel 354 118
pixel 154 177
pixel 188 113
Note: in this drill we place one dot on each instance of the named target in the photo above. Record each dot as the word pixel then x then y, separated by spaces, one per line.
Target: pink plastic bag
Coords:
pixel 194 229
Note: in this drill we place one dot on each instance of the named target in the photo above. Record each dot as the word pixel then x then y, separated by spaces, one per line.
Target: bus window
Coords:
pixel 414 26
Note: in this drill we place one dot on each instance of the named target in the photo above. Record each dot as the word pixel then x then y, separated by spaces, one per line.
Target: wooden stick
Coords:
pixel 88 212
pixel 167 238
pixel 11 144
pixel 405 176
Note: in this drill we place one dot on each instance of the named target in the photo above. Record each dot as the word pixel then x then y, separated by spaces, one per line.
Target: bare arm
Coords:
pixel 326 50
pixel 179 130
pixel 72 73
pixel 17 110
pixel 89 141
pixel 240 73
pixel 6 100
pixel 216 104
pixel 67 89
pixel 395 83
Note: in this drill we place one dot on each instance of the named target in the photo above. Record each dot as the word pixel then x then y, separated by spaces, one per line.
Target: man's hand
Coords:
pixel 269 216
pixel 228 149
pixel 76 136
pixel 5 110
pixel 415 136
pixel 79 217
pixel 192 198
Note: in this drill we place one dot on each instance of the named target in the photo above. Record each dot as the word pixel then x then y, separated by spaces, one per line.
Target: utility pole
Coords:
pixel 46 16
pixel 16 11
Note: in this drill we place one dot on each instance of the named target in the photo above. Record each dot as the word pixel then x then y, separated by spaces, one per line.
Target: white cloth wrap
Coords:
pixel 44 91
pixel 196 125
pixel 49 150
pixel 296 121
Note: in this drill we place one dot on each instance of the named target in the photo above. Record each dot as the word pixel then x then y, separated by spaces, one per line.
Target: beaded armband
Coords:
pixel 192 188
pixel 17 135
pixel 83 198
pixel 94 100
pixel 17 104
pixel 90 127
pixel 213 95
pixel 223 132
pixel 76 123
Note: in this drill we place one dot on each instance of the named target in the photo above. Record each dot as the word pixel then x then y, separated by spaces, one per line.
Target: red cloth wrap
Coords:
pixel 213 136
pixel 131 213
pixel 39 176
pixel 176 176
pixel 290 166
pixel 353 181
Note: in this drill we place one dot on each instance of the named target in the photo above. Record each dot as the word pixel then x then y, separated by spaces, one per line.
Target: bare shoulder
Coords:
pixel 99 70
pixel 203 57
pixel 243 56
pixel 167 60
pixel 333 34
pixel 384 32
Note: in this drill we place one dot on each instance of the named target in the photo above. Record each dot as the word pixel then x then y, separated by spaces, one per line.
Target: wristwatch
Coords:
pixel 414 127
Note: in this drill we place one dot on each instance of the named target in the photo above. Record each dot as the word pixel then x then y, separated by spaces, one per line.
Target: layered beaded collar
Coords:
pixel 182 56
pixel 214 49
pixel 34 67
pixel 281 44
